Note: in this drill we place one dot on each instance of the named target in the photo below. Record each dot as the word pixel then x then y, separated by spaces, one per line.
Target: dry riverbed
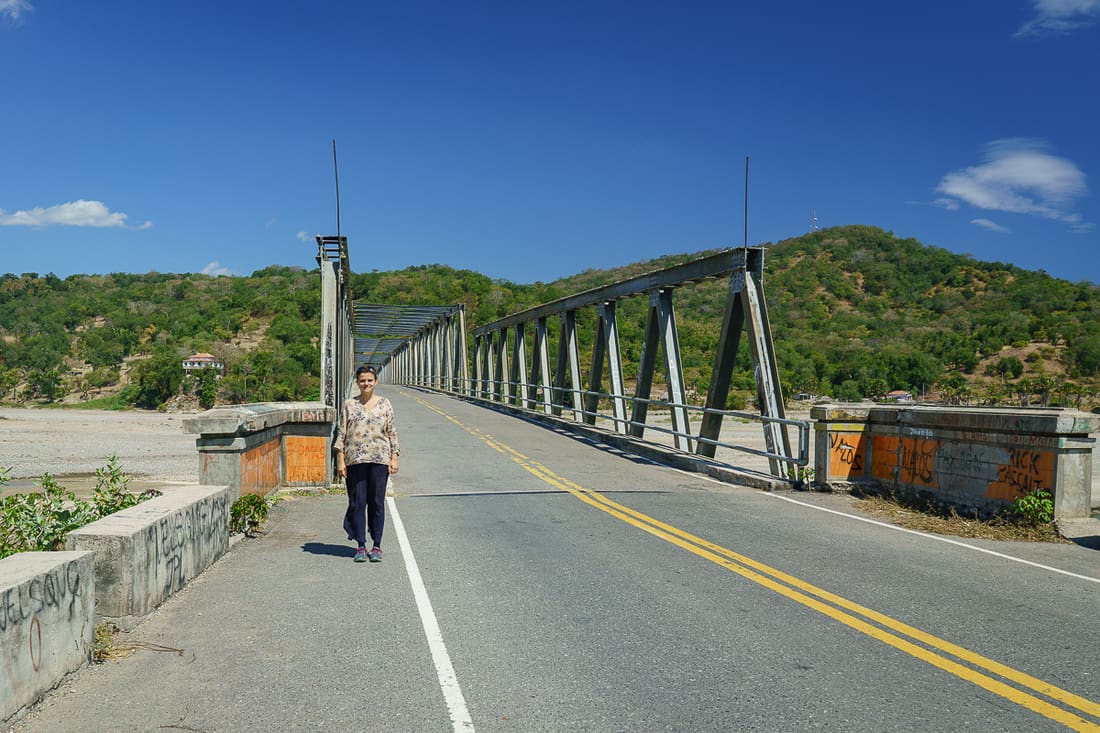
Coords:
pixel 71 444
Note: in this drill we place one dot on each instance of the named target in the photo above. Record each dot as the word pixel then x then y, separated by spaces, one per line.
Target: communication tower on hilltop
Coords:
pixel 813 221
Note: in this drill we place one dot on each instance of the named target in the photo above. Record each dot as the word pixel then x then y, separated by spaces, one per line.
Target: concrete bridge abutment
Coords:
pixel 255 448
pixel 974 459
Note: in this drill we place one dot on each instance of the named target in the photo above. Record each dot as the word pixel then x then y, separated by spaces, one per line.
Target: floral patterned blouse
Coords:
pixel 367 435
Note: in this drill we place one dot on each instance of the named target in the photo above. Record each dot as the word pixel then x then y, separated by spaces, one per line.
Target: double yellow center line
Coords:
pixel 901 636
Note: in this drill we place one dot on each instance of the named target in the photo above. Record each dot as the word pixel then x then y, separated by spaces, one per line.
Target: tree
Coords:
pixel 207 380
pixel 875 387
pixel 157 378
pixel 9 379
pixel 1086 356
pixel 955 389
pixel 44 383
pixel 1008 367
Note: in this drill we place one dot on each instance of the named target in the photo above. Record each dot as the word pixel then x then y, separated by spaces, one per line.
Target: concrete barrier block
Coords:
pixel 47 623
pixel 255 448
pixel 146 553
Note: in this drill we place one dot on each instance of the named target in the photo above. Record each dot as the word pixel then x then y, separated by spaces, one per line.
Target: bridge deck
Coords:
pixel 582 589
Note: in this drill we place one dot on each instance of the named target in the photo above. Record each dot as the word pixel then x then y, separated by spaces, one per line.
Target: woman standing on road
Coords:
pixel 366 454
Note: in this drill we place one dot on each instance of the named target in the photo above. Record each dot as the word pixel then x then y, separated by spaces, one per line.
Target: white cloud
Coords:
pixel 949 204
pixel 1059 17
pixel 15 9
pixel 1018 176
pixel 990 225
pixel 303 236
pixel 215 268
pixel 79 213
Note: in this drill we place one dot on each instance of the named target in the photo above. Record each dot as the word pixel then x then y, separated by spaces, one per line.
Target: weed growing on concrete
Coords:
pixel 248 514
pixel 108 646
pixel 1036 507
pixel 104 648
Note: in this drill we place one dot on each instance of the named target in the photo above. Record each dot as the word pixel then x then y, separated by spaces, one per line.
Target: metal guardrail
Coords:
pixel 540 402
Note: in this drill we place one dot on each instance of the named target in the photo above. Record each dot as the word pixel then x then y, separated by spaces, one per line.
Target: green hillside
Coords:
pixel 856 312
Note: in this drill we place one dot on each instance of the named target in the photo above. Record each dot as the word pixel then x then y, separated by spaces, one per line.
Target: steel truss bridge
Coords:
pixel 512 364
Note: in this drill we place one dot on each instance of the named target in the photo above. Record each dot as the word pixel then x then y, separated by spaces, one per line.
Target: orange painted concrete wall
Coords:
pixel 306 459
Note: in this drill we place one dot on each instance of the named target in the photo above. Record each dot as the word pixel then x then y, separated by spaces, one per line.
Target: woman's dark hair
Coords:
pixel 366 368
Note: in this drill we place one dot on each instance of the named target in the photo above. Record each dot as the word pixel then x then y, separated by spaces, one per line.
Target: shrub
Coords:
pixel 40 520
pixel 248 514
pixel 112 492
pixel 1035 507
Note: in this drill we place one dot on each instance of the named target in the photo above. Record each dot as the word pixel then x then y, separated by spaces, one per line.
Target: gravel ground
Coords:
pixel 70 444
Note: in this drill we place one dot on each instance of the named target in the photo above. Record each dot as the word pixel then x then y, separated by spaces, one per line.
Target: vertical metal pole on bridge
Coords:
pixel 337 347
pixel 337 338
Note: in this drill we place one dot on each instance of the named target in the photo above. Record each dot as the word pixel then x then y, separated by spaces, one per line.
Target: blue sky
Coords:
pixel 530 141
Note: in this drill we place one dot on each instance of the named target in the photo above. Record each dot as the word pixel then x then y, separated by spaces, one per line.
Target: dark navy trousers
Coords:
pixel 366 502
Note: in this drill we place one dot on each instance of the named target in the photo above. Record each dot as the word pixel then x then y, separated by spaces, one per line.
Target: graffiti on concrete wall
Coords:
pixel 1025 470
pixel 260 467
pixel 966 460
pixel 57 591
pixel 923 462
pixel 847 456
pixel 908 460
pixel 51 597
pixel 918 462
pixel 181 545
pixel 306 459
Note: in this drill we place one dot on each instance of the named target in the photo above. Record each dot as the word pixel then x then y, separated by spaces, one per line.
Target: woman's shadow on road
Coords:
pixel 323 548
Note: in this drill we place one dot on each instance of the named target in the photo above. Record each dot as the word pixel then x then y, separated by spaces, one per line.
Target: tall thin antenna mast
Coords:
pixel 336 171
pixel 746 201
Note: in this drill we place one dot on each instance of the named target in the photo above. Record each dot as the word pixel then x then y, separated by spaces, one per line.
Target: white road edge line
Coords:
pixel 938 538
pixel 448 681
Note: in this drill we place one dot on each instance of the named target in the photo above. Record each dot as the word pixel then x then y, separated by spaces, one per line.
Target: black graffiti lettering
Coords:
pixel 847 453
pixel 72 577
pixel 4 611
pixel 24 602
pixel 35 591
pixel 919 459
pixel 50 592
pixel 1022 472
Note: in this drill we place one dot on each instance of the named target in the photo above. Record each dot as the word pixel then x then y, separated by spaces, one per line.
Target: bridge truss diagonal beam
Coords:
pixel 502 375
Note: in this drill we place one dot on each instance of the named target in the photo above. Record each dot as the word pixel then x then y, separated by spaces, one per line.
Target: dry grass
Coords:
pixel 108 646
pixel 926 519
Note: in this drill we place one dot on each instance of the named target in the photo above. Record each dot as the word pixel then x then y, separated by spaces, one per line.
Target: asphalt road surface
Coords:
pixel 536 582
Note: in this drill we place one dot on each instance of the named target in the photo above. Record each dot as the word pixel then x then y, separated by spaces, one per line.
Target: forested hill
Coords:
pixel 856 312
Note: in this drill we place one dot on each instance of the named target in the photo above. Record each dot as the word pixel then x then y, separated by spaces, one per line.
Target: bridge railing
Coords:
pixel 426 346
pixel 506 365
pixel 534 398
